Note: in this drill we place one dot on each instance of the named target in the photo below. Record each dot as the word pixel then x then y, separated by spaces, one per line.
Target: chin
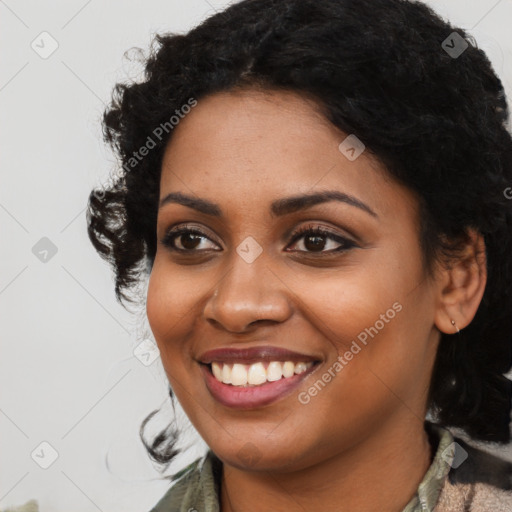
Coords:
pixel 258 455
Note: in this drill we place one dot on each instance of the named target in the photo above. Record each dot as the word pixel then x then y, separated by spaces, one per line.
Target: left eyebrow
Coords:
pixel 278 208
pixel 295 203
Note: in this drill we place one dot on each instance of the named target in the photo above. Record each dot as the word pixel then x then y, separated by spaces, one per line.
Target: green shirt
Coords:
pixel 198 485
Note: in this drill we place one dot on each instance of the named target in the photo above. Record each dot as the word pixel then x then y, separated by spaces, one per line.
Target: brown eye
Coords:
pixel 188 238
pixel 315 240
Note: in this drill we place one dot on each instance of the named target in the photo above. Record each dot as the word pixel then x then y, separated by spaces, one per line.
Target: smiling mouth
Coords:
pixel 258 373
pixel 241 394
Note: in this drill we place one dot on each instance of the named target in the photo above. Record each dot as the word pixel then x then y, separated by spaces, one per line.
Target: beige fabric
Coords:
pixel 477 497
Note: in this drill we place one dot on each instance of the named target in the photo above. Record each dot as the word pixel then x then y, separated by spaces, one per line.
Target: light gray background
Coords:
pixel 68 375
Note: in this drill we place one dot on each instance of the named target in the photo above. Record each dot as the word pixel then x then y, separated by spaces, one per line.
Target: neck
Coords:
pixel 380 473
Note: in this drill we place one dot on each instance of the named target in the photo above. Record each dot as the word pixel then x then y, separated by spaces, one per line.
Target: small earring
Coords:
pixel 453 323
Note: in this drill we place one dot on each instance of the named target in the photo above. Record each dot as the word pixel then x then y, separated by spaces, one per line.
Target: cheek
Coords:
pixel 159 304
pixel 172 298
pixel 169 309
pixel 376 319
pixel 358 303
pixel 171 305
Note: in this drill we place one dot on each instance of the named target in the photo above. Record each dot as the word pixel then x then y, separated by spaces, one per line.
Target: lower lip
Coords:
pixel 250 397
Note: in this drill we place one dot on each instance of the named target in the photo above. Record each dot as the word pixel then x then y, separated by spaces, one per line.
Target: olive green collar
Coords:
pixel 430 487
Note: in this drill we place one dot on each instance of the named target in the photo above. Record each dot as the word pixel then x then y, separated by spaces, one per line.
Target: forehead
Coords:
pixel 257 146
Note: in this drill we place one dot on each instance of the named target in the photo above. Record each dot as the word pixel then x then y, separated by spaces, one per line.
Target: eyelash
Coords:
pixel 346 244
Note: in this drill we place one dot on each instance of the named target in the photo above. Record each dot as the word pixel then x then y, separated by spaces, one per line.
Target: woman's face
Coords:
pixel 355 302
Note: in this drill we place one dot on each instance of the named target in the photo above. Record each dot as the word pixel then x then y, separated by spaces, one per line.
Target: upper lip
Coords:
pixel 253 354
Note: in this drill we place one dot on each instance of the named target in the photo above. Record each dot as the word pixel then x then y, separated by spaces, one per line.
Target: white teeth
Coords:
pixel 274 371
pixel 256 374
pixel 288 369
pixel 226 374
pixel 217 371
pixel 238 375
pixel 300 367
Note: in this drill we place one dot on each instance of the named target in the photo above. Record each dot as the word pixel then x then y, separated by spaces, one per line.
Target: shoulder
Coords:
pixel 478 481
pixel 195 488
pixel 184 482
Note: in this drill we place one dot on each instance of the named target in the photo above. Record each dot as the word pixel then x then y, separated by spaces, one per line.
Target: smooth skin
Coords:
pixel 359 444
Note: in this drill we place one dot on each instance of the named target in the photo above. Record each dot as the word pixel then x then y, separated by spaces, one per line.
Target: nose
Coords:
pixel 248 294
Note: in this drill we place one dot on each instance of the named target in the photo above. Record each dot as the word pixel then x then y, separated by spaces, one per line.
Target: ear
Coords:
pixel 461 285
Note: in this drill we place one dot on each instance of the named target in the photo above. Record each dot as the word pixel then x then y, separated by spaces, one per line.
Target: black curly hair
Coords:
pixel 379 69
